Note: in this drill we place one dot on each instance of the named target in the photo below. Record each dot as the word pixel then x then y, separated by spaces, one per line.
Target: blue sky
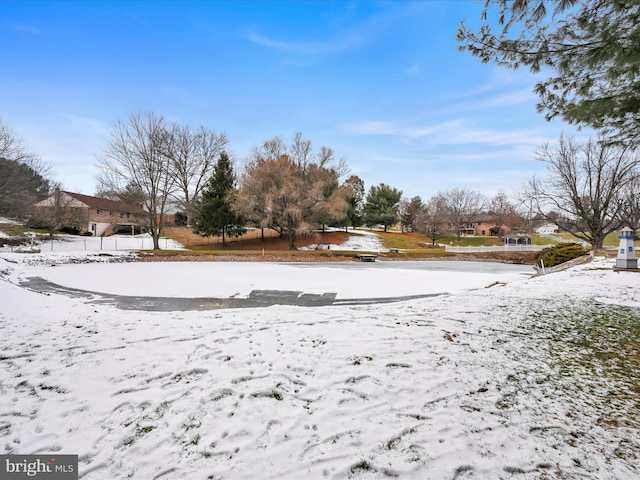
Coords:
pixel 382 83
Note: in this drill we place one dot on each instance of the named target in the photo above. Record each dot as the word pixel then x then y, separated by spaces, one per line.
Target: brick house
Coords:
pixel 85 213
pixel 484 227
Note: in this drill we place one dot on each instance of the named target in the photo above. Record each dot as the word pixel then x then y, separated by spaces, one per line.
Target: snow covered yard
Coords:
pixel 530 380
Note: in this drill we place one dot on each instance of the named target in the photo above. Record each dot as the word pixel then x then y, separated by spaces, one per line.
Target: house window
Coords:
pixel 98 211
pixel 121 214
pixel 484 232
pixel 111 214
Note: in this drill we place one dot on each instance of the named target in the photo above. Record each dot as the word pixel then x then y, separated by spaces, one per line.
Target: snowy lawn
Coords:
pixel 535 379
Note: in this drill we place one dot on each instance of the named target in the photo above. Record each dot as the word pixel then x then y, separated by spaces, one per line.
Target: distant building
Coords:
pixel 518 239
pixel 485 226
pixel 85 213
pixel 547 229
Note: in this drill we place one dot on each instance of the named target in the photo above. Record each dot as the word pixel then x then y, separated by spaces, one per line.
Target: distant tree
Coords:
pixel 215 213
pixel 461 207
pixel 291 189
pixel 131 194
pixel 193 155
pixel 381 205
pixel 136 153
pixel 330 212
pixel 432 219
pixel 181 218
pixel 20 187
pixel 410 211
pixel 354 196
pixel 504 213
pixel 58 212
pixel 12 147
pixel 590 45
pixel 585 183
pixel 24 178
pixel 630 205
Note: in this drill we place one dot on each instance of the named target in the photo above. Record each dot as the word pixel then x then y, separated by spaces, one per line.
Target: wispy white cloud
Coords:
pixel 390 128
pixel 78 121
pixel 516 97
pixel 26 28
pixel 332 46
pixel 413 70
pixel 496 137
pixel 452 142
pixel 346 35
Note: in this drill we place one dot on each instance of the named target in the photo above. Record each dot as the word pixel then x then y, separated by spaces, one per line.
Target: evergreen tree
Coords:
pixel 215 214
pixel 592 46
pixel 354 196
pixel 411 210
pixel 381 207
pixel 20 187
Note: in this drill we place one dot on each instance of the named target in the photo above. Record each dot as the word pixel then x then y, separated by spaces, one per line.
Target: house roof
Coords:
pixel 104 204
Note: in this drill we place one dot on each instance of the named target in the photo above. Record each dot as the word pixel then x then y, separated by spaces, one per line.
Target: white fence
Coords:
pixel 63 243
pixel 496 248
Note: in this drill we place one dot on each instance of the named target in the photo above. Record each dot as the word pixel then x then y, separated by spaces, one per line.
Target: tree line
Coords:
pixel 591 188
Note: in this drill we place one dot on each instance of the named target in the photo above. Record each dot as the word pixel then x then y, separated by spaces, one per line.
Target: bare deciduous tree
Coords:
pixel 461 207
pixel 136 153
pixel 630 204
pixel 432 219
pixel 585 183
pixel 193 155
pixel 11 146
pixel 505 213
pixel 57 212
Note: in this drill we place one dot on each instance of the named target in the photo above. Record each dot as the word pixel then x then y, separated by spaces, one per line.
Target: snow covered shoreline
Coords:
pixel 465 385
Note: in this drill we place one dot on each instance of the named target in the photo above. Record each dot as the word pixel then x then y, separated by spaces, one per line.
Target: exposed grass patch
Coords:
pixel 52 388
pixel 275 394
pixel 362 465
pixel 18 229
pixel 13 229
pixel 140 431
pixel 595 350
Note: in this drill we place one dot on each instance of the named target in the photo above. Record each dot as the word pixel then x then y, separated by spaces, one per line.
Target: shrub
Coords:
pixel 70 230
pixel 181 218
pixel 37 223
pixel 561 253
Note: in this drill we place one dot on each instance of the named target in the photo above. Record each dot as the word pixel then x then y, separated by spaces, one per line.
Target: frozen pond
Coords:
pixel 342 280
